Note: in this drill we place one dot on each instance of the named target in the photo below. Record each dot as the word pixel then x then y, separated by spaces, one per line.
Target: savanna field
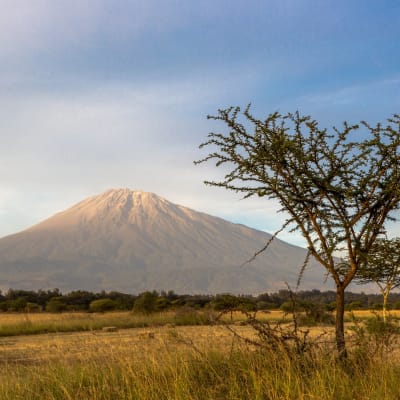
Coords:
pixel 170 355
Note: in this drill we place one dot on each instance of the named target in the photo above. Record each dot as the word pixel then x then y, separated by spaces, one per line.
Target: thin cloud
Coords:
pixel 352 94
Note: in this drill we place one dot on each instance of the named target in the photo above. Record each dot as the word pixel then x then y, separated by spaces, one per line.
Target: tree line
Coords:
pixel 152 301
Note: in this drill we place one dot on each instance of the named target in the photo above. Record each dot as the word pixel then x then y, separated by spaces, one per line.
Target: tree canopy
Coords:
pixel 338 188
pixel 382 267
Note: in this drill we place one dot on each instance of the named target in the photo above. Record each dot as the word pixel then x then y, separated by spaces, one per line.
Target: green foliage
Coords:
pixel 102 305
pixel 382 264
pixel 146 303
pixel 228 302
pixel 396 305
pixel 376 336
pixel 192 316
pixel 331 306
pixel 17 301
pixel 33 307
pixel 355 305
pixel 17 305
pixel 290 306
pixel 315 313
pixel 337 191
pixel 265 305
pixel 308 313
pixel 377 326
pixel 56 305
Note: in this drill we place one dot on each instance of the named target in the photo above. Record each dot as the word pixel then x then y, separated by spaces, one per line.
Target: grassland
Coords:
pixel 179 362
pixel 36 323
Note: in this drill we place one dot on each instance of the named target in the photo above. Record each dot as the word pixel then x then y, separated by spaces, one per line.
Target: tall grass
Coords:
pixel 213 375
pixel 178 366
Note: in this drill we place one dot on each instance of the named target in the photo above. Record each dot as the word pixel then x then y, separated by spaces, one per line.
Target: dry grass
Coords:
pixel 198 362
pixel 17 324
pixel 182 363
pixel 38 318
pixel 126 317
pixel 90 345
pixel 362 314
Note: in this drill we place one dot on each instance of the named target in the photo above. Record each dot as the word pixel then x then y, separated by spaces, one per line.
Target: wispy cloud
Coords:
pixel 354 93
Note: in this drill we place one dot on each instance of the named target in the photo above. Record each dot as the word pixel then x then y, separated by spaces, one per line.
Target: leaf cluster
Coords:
pixel 382 264
pixel 338 188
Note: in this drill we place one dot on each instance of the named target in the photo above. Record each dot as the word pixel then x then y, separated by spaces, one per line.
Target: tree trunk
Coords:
pixel 384 307
pixel 340 341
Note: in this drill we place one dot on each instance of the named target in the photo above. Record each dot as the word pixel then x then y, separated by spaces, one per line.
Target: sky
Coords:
pixel 100 94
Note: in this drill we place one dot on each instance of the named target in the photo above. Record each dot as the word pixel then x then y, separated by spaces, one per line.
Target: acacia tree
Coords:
pixel 382 267
pixel 336 191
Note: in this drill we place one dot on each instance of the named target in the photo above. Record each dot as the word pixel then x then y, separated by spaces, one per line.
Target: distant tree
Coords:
pixel 226 303
pixel 230 303
pixel 146 303
pixel 337 189
pixel 17 305
pixel 33 307
pixel 79 300
pixel 56 305
pixel 382 266
pixel 124 301
pixel 102 305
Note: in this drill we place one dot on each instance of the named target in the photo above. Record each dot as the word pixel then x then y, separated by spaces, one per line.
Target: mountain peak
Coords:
pixel 114 207
pixel 124 195
pixel 132 240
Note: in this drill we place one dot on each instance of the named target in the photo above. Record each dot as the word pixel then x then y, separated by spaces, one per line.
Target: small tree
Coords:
pixel 382 267
pixel 103 305
pixel 146 303
pixel 336 191
pixel 230 303
pixel 56 305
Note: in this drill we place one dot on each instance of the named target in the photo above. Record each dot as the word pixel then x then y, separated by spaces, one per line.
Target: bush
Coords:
pixel 315 313
pixel 374 336
pixel 290 306
pixel 33 307
pixel 191 316
pixel 266 305
pixel 146 303
pixel 56 305
pixel 396 305
pixel 18 305
pixel 331 306
pixel 103 305
pixel 355 305
pixel 378 327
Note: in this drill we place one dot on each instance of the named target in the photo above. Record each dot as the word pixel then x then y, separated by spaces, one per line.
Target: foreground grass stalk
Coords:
pixel 186 375
pixel 194 363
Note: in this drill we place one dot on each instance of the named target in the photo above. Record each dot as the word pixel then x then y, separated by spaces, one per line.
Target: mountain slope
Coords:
pixel 133 241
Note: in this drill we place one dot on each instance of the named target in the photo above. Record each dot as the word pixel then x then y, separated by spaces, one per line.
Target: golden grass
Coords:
pixel 371 313
pixel 36 323
pixel 43 317
pixel 10 319
pixel 7 319
pixel 182 363
pixel 17 324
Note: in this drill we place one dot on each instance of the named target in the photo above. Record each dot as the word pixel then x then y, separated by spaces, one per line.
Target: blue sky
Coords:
pixel 114 93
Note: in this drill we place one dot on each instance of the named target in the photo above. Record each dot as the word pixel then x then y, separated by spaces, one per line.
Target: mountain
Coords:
pixel 133 241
